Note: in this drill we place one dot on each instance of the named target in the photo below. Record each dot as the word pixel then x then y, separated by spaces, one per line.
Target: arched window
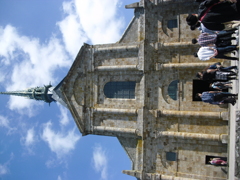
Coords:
pixel 173 89
pixel 120 89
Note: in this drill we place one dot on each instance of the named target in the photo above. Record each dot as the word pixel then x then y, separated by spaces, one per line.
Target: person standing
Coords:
pixel 216 75
pixel 219 67
pixel 217 161
pixel 213 13
pixel 208 52
pixel 217 97
pixel 221 85
pixel 220 40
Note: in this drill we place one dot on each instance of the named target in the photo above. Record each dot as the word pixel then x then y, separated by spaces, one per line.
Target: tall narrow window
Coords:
pixel 172 23
pixel 173 89
pixel 120 89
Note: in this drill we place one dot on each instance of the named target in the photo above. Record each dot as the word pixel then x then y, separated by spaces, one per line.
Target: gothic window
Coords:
pixel 171 156
pixel 172 23
pixel 120 89
pixel 173 89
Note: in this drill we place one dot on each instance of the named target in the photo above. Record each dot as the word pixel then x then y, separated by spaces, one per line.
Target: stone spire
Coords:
pixel 38 93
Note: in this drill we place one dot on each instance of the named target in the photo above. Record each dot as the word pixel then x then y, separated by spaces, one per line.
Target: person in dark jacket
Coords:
pixel 220 67
pixel 215 75
pixel 217 97
pixel 218 12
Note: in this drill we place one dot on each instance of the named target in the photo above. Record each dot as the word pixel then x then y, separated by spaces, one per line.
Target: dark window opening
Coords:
pixel 173 23
pixel 173 89
pixel 200 86
pixel 171 156
pixel 120 89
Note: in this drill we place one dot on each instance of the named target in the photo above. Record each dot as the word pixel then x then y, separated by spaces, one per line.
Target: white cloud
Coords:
pixel 100 161
pixel 88 21
pixel 72 32
pixel 51 163
pixel 100 27
pixel 2 74
pixel 30 63
pixel 34 63
pixel 64 118
pixel 4 122
pixel 29 140
pixel 54 162
pixel 3 169
pixel 61 143
pixel 30 137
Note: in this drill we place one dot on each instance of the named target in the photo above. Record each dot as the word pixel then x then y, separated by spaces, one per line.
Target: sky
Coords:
pixel 39 41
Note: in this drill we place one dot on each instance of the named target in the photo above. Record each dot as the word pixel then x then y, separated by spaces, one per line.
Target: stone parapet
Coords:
pixel 114 131
pixel 160 66
pixel 194 136
pixel 153 176
pixel 111 48
pixel 199 114
pixel 117 68
pixel 116 111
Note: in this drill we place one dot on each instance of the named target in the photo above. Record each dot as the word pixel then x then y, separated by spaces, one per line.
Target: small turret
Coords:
pixel 38 93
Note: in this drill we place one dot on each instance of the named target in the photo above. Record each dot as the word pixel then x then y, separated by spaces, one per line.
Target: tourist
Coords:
pixel 221 85
pixel 213 13
pixel 217 161
pixel 216 75
pixel 208 52
pixel 219 67
pixel 220 40
pixel 217 97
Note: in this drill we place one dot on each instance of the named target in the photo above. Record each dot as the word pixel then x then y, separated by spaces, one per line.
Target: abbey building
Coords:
pixel 142 89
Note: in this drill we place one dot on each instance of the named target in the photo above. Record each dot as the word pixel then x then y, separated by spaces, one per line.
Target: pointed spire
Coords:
pixel 38 93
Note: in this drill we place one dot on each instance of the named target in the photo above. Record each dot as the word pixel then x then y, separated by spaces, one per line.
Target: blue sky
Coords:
pixel 38 43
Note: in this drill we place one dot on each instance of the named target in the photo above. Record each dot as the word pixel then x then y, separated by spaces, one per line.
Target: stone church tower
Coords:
pixel 141 90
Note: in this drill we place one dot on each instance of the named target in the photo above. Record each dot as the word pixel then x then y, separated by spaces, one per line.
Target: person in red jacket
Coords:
pixel 217 161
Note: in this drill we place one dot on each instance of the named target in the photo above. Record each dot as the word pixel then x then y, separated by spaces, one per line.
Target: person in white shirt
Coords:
pixel 207 52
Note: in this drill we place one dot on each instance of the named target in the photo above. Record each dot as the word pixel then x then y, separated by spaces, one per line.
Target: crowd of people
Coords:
pixel 217 21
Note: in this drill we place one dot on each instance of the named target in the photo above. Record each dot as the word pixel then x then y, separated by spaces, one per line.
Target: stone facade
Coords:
pixel 165 137
pixel 237 150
